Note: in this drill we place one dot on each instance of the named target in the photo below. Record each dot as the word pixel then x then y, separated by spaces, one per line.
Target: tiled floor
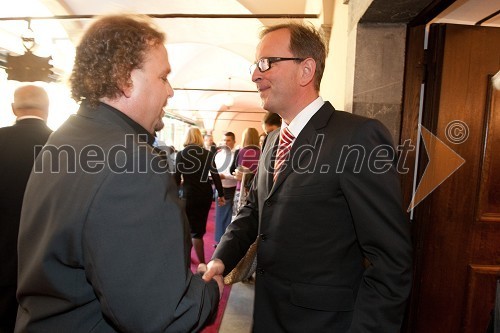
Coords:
pixel 238 314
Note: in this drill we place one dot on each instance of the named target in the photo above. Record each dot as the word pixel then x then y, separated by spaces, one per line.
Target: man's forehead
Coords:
pixel 277 41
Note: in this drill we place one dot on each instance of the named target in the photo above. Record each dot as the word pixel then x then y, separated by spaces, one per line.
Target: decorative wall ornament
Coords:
pixel 29 67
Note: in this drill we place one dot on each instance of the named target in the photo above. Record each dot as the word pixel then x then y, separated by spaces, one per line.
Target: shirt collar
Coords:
pixel 29 117
pixel 300 121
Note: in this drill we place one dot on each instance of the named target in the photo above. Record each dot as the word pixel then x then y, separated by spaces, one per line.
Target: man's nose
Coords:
pixel 256 75
pixel 170 91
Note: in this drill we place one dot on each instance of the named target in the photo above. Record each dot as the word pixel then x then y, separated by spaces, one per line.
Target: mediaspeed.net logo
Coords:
pixel 443 161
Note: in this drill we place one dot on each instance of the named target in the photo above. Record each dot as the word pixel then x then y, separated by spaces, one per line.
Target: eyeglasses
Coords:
pixel 264 64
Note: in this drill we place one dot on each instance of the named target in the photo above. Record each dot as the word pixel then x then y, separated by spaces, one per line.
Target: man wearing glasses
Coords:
pixel 335 252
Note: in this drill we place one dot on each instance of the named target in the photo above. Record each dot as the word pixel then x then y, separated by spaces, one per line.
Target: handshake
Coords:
pixel 213 270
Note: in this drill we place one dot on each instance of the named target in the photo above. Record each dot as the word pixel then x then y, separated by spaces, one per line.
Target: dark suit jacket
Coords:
pixel 103 243
pixel 318 223
pixel 194 163
pixel 17 148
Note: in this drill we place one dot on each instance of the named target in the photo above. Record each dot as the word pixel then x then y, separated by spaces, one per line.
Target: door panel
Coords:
pixel 457 227
pixel 484 268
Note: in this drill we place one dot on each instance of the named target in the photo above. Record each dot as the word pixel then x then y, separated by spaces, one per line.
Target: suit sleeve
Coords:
pixel 383 232
pixel 234 164
pixel 177 175
pixel 240 233
pixel 135 257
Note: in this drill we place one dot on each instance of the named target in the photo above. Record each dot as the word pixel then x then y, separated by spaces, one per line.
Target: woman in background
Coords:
pixel 245 163
pixel 193 165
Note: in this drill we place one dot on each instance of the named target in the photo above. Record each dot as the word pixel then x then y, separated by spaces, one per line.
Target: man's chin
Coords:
pixel 266 105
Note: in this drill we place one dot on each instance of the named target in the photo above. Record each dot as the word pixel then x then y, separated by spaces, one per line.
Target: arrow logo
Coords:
pixel 443 162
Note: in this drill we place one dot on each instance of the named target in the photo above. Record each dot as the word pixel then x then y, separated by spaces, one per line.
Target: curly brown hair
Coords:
pixel 110 49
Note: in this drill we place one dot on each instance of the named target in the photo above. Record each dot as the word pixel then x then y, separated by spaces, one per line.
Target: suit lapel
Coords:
pixel 266 164
pixel 307 138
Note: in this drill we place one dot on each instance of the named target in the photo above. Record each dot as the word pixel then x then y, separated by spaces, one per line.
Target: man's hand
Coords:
pixel 220 282
pixel 213 270
pixel 214 267
pixel 221 201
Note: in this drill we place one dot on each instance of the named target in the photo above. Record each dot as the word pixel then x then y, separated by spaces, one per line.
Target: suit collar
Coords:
pixel 29 117
pixel 30 121
pixel 106 113
pixel 300 121
pixel 322 117
pixel 307 138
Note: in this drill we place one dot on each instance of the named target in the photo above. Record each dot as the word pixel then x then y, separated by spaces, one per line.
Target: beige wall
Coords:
pixel 356 10
pixel 338 79
pixel 334 77
pixel 237 127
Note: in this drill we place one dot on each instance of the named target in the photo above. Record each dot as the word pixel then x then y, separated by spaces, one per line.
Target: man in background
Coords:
pixel 103 243
pixel 270 122
pixel 224 161
pixel 19 145
pixel 209 144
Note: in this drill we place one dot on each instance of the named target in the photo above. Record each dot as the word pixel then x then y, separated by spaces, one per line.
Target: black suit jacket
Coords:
pixel 331 207
pixel 103 242
pixel 195 164
pixel 17 148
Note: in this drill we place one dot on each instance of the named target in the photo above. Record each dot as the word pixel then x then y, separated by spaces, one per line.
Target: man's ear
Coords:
pixel 16 111
pixel 127 87
pixel 308 70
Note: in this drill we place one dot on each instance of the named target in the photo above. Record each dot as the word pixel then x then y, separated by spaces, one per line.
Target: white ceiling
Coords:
pixel 205 53
pixel 469 12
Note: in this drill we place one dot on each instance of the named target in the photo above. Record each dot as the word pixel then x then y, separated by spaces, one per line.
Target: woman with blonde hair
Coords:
pixel 245 164
pixel 193 165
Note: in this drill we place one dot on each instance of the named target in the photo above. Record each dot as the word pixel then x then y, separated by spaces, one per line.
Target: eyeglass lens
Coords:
pixel 263 65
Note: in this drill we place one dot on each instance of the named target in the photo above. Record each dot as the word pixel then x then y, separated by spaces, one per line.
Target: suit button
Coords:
pixel 263 237
pixel 269 203
pixel 260 271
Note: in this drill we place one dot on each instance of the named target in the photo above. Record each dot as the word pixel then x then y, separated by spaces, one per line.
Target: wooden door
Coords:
pixel 456 228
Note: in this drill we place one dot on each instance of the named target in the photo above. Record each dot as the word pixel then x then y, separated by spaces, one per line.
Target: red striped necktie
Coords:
pixel 286 140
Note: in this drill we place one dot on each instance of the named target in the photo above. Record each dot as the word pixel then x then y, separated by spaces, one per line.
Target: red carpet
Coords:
pixel 209 250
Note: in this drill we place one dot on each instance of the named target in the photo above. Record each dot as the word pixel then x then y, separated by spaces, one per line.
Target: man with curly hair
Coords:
pixel 103 242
